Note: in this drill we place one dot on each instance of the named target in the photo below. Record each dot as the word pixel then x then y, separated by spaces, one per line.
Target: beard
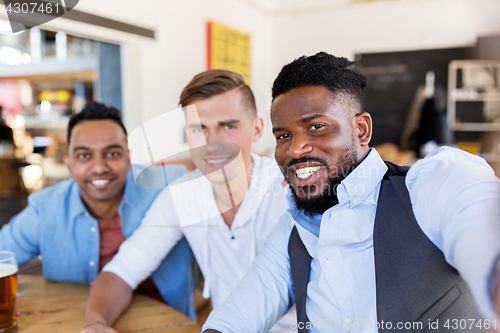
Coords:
pixel 328 198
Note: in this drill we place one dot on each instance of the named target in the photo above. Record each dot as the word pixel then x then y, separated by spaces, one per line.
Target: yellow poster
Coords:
pixel 228 49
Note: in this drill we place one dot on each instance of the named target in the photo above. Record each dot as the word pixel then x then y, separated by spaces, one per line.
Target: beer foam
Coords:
pixel 7 269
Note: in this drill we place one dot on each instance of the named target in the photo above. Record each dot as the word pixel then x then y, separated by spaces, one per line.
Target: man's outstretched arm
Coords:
pixel 264 295
pixel 455 198
pixel 109 296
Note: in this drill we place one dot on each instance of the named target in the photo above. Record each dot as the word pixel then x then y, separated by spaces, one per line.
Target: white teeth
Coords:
pixel 100 182
pixel 220 160
pixel 306 172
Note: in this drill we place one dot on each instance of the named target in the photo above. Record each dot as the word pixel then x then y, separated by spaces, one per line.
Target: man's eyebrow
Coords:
pixel 113 147
pixel 105 148
pixel 303 120
pixel 80 148
pixel 220 123
pixel 228 122
pixel 308 119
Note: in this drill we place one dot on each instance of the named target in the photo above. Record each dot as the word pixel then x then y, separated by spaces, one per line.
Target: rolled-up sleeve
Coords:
pixel 141 254
pixel 264 294
pixel 456 201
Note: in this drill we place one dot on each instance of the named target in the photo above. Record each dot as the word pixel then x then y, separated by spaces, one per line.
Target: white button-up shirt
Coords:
pixel 455 197
pixel 224 254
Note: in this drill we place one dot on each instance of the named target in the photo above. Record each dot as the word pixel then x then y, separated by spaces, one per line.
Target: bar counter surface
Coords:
pixel 53 307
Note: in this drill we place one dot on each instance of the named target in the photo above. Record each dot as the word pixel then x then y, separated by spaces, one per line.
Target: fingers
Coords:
pixel 98 328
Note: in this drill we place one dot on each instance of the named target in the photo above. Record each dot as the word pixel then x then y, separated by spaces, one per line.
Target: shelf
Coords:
pixel 467 64
pixel 483 75
pixel 63 77
pixel 471 96
pixel 476 127
pixel 49 67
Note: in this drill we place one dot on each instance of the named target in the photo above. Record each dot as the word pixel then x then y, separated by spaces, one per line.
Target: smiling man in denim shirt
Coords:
pixel 78 225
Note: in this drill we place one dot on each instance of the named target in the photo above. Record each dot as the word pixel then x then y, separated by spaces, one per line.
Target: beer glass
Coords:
pixel 8 289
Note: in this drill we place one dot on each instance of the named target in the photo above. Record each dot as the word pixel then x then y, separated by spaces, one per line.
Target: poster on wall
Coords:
pixel 228 49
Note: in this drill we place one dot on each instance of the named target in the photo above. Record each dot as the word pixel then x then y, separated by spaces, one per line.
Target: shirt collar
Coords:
pixel 256 180
pixel 251 201
pixel 358 185
pixel 130 194
pixel 310 223
pixel 76 206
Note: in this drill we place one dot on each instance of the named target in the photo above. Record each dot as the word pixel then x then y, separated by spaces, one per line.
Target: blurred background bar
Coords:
pixel 433 70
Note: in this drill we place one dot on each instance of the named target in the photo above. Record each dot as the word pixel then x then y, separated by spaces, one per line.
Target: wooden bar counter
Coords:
pixel 53 307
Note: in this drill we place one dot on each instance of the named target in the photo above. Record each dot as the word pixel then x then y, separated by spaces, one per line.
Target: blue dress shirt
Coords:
pixel 455 198
pixel 57 225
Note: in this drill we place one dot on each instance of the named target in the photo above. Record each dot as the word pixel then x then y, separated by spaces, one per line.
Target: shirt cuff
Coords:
pixel 111 268
pixel 223 320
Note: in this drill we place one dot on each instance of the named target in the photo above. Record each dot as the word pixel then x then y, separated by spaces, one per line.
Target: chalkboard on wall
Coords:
pixel 393 79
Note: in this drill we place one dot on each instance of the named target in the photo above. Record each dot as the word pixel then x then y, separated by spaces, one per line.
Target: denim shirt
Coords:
pixel 57 225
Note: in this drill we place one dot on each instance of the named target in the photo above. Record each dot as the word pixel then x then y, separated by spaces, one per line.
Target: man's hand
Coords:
pixel 98 328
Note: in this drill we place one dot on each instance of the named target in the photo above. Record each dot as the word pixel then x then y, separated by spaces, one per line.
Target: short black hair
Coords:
pixel 95 111
pixel 322 69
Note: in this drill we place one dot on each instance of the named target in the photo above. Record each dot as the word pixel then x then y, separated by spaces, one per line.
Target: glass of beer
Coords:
pixel 8 290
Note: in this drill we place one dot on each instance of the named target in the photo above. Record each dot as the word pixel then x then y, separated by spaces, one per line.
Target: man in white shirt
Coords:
pixel 379 248
pixel 225 208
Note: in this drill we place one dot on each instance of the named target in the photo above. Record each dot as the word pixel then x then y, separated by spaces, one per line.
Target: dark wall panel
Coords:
pixel 110 79
pixel 393 79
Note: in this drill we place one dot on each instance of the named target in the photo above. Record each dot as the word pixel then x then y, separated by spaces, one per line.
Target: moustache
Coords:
pixel 305 160
pixel 105 174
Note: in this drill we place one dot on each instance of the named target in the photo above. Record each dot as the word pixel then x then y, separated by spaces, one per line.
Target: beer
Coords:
pixel 8 289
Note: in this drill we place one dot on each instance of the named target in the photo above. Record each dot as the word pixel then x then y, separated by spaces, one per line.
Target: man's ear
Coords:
pixel 128 157
pixel 258 128
pixel 363 123
pixel 67 163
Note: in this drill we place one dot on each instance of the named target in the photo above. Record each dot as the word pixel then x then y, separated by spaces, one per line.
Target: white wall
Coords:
pixel 158 69
pixel 155 71
pixel 180 52
pixel 344 28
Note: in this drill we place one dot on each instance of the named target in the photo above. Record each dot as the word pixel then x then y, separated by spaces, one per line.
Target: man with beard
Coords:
pixel 226 208
pixel 368 246
pixel 77 225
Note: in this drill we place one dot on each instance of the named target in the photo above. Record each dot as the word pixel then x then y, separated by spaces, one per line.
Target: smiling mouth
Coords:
pixel 217 161
pixel 100 182
pixel 306 172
